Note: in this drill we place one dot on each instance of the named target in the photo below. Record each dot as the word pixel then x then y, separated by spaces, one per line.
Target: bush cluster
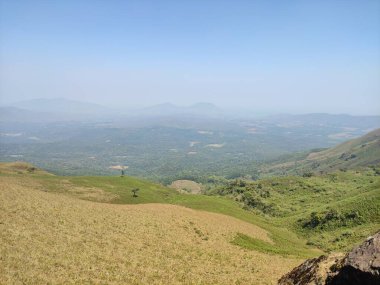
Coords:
pixel 331 218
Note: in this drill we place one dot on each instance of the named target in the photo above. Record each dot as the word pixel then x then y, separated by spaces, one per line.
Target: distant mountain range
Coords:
pixel 61 105
pixel 15 114
pixel 63 109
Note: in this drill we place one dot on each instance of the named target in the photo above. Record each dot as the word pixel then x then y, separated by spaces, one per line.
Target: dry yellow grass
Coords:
pixel 86 193
pixel 186 186
pixel 21 168
pixel 48 238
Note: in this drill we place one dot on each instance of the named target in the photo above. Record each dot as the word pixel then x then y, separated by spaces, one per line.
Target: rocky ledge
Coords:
pixel 359 266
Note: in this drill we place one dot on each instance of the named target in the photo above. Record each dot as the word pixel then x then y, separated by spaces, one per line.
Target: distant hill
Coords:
pixel 53 110
pixel 14 114
pixel 61 105
pixel 61 109
pixel 362 151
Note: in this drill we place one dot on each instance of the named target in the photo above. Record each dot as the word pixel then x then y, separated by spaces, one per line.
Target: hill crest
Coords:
pixel 358 152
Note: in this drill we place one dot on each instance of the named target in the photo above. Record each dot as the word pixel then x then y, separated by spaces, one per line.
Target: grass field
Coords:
pixel 333 211
pixel 49 236
pixel 88 229
pixel 120 189
pixel 290 200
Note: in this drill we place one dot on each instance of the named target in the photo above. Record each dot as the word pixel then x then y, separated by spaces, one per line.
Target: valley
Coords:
pixel 164 147
pixel 222 200
pixel 189 142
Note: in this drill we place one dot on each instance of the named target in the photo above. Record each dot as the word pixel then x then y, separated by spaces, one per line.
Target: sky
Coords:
pixel 277 56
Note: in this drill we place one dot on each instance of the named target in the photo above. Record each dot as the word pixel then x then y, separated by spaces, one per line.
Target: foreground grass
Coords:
pixel 121 188
pixel 50 238
pixel 118 190
pixel 54 237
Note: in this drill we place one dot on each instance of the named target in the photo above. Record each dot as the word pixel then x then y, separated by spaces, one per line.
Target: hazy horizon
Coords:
pixel 244 111
pixel 268 56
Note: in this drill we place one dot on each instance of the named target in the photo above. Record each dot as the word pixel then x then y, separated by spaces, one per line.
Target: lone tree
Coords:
pixel 122 172
pixel 135 190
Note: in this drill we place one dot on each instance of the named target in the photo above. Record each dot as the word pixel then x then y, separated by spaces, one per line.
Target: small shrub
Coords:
pixel 134 191
pixel 31 169
pixel 307 174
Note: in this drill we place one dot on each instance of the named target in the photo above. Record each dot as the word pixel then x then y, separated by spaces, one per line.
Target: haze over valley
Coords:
pixel 164 142
pixel 190 142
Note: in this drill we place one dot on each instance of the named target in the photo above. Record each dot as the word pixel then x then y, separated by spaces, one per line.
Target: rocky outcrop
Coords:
pixel 312 271
pixel 360 266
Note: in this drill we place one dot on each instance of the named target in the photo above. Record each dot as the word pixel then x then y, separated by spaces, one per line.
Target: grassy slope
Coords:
pixel 118 249
pixel 355 153
pixel 286 241
pixel 350 191
pixel 295 198
pixel 50 238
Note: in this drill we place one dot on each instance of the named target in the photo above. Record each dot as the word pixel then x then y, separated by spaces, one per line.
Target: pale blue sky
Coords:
pixel 284 56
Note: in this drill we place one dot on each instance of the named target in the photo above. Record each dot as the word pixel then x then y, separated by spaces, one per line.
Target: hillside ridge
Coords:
pixel 359 152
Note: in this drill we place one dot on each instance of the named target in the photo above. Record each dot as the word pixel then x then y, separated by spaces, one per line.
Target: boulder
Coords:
pixel 359 266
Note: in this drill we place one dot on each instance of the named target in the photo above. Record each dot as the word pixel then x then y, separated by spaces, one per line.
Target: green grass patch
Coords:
pixel 251 243
pixel 327 210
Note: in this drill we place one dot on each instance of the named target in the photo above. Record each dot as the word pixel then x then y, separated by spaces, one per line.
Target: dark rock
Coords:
pixel 312 271
pixel 306 273
pixel 361 266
